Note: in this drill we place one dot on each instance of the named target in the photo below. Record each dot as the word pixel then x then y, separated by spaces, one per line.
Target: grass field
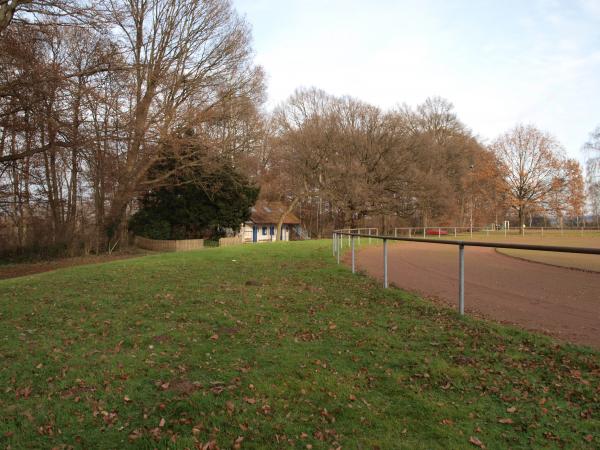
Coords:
pixel 272 346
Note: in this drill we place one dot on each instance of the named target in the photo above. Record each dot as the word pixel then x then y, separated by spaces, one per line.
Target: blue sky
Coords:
pixel 501 62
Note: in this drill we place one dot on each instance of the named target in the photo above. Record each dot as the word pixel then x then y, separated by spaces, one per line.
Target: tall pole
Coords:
pixel 353 258
pixel 461 279
pixel 471 189
pixel 385 264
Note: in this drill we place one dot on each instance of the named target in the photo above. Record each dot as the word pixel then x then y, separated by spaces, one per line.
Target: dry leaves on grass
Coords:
pixel 476 442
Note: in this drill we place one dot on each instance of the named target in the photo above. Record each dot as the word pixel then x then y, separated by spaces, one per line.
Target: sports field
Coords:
pixel 566 239
pixel 536 237
pixel 273 346
pixel 505 285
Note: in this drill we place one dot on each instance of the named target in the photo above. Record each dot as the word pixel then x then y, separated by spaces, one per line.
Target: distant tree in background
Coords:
pixel 532 166
pixel 592 166
pixel 575 187
pixel 342 162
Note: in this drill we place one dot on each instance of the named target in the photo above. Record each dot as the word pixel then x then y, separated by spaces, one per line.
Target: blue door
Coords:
pixel 254 234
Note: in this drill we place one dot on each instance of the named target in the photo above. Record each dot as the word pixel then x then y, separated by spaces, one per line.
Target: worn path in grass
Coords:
pixel 273 346
pixel 558 301
pixel 20 269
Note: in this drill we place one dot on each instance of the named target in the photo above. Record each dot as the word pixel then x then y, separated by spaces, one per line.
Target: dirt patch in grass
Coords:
pixel 23 269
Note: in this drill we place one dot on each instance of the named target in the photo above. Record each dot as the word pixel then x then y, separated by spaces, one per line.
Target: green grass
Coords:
pixel 277 345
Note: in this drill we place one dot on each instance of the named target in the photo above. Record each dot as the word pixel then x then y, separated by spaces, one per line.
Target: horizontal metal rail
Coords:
pixel 338 237
pixel 489 230
pixel 541 248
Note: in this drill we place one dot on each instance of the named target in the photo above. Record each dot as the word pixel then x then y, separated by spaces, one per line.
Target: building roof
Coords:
pixel 270 212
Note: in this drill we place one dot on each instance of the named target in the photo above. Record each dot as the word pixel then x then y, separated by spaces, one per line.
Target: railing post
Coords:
pixel 385 264
pixel 410 232
pixel 369 236
pixel 461 279
pixel 339 247
pixel 353 258
pixel 424 228
pixel 454 231
pixel 333 243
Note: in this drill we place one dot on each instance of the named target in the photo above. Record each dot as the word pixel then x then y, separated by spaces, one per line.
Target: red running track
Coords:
pixel 562 302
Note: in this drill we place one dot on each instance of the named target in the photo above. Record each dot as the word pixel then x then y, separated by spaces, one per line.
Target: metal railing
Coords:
pixel 338 237
pixel 491 231
pixel 357 232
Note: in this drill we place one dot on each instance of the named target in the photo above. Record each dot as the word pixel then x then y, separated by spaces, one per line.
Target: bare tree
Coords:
pixel 531 160
pixel 85 112
pixel 38 11
pixel 592 165
pixel 182 56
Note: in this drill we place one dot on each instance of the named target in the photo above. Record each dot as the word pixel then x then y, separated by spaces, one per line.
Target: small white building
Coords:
pixel 262 226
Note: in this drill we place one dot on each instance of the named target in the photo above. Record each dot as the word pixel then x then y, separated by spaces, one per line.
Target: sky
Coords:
pixel 500 62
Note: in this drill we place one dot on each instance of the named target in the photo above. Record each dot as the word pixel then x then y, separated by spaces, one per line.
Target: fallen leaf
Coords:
pixel 162 422
pixel 230 407
pixel 505 421
pixel 135 434
pixel 512 409
pixel 476 442
pixel 214 337
pixel 250 400
pixel 237 444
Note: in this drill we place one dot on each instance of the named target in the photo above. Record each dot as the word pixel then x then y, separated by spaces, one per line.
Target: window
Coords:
pixel 264 231
pixel 272 230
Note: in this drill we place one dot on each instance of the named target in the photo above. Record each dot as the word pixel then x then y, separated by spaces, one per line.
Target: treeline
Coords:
pixel 104 104
pixel 346 163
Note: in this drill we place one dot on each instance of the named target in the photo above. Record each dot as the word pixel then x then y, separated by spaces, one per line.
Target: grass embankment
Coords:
pixel 269 346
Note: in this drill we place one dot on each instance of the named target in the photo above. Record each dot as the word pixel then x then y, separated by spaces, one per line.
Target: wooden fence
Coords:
pixel 223 242
pixel 169 246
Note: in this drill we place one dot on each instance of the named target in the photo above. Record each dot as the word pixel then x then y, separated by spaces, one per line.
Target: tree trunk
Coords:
pixel 282 218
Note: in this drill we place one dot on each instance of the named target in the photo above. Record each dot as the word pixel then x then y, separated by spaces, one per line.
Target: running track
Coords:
pixel 562 302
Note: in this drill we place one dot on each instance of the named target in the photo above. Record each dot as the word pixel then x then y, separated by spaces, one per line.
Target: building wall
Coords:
pixel 246 232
